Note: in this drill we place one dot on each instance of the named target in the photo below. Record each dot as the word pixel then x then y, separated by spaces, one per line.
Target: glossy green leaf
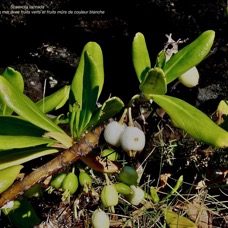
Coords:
pixel 86 87
pixel 25 216
pixel 25 107
pixel 110 107
pixel 15 78
pixel 222 114
pixel 10 142
pixel 19 156
pixel 192 120
pixel 154 83
pixel 64 139
pixel 189 56
pixel 54 101
pixel 174 220
pixel 161 60
pixel 14 125
pixel 140 56
pixel 8 176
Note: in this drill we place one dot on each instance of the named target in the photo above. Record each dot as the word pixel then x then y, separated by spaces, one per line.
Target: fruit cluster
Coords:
pixel 130 138
pixel 69 183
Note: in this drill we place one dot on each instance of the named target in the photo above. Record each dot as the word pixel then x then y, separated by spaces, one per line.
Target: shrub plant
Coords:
pixel 27 132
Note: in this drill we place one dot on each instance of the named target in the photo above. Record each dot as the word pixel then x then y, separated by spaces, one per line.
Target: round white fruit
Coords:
pixel 113 132
pixel 190 78
pixel 137 195
pixel 100 219
pixel 132 139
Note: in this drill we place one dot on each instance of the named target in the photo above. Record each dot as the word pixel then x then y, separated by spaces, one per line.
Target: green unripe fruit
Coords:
pixel 109 196
pixel 122 188
pixel 57 180
pixel 100 219
pixel 85 180
pixel 128 175
pixel 70 183
pixel 111 154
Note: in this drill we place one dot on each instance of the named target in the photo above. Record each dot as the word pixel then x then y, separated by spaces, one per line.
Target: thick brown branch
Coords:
pixel 67 157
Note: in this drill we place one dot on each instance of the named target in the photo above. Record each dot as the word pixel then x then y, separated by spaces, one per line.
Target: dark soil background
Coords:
pixel 49 45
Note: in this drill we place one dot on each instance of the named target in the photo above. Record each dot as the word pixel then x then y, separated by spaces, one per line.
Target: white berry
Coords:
pixel 113 132
pixel 100 219
pixel 132 139
pixel 190 78
pixel 137 195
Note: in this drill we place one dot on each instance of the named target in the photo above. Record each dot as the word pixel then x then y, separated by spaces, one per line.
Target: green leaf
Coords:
pixel 25 216
pixel 13 125
pixel 54 101
pixel 174 220
pixel 10 142
pixel 8 176
pixel 140 56
pixel 161 60
pixel 16 79
pixel 192 120
pixel 189 56
pixel 86 87
pixel 154 83
pixel 25 107
pixel 154 195
pixel 222 114
pixel 19 156
pixel 65 140
pixel 110 107
pixel 175 188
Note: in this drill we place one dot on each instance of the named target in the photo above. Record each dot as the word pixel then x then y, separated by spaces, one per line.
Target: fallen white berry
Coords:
pixel 100 219
pixel 132 139
pixel 113 132
pixel 190 78
pixel 136 197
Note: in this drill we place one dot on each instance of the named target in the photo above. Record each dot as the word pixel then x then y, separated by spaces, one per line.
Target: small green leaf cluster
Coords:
pixel 154 80
pixel 35 133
